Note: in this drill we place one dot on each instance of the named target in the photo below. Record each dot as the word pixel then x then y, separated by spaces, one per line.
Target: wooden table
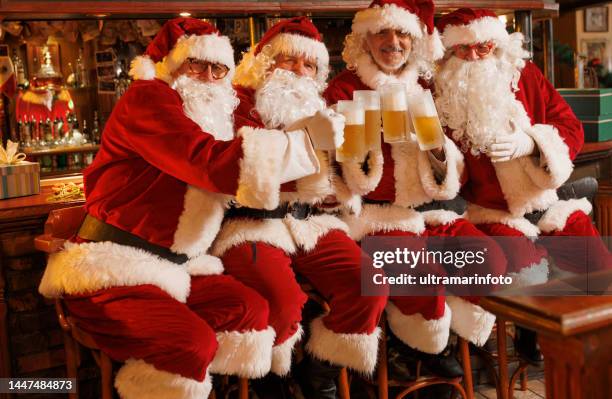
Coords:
pixel 575 336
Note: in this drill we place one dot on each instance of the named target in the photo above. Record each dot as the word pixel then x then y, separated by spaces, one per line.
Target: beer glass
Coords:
pixel 371 103
pixel 353 148
pixel 425 119
pixel 394 112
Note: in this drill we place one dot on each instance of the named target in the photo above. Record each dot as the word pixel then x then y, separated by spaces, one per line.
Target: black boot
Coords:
pixel 317 378
pixel 443 364
pixel 526 345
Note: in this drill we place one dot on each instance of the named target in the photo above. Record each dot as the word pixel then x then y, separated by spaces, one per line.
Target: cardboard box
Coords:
pixel 19 180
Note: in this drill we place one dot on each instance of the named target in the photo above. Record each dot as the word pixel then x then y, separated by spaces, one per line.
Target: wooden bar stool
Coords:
pixel 383 383
pixel 61 225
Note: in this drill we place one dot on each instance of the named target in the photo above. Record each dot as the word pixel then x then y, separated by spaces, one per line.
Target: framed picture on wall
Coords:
pixel 595 48
pixel 596 19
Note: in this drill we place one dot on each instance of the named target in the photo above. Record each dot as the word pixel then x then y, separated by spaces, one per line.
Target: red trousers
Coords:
pixel 144 322
pixel 332 268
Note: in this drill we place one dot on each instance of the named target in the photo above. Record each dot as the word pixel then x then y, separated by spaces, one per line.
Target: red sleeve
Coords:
pixel 150 121
pixel 341 87
pixel 558 113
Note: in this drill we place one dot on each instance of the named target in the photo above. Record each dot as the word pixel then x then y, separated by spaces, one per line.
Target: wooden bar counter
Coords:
pixel 30 337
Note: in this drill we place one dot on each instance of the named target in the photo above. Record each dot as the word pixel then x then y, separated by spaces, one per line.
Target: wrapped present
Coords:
pixel 17 176
pixel 594 109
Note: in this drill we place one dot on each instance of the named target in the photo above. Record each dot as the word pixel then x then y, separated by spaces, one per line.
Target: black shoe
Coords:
pixel 399 366
pixel 443 364
pixel 317 378
pixel 526 346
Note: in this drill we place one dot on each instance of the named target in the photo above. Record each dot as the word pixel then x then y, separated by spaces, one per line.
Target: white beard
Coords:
pixel 476 100
pixel 284 98
pixel 210 105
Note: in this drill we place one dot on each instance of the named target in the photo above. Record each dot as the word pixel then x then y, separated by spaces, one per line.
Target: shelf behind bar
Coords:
pixel 63 150
pixel 29 9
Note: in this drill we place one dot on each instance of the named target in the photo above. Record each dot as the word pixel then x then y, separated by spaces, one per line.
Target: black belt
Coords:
pixel 375 202
pixel 535 216
pixel 298 211
pixel 96 230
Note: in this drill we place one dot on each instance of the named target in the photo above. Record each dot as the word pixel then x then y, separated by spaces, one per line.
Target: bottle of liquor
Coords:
pixel 20 72
pixel 81 70
pixel 47 132
pixel 95 132
pixel 85 132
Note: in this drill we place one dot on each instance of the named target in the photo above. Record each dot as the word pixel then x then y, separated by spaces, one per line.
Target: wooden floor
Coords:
pixel 535 390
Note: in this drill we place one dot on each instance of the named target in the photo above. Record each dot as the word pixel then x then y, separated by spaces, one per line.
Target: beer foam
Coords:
pixel 394 101
pixel 354 116
pixel 422 104
pixel 369 98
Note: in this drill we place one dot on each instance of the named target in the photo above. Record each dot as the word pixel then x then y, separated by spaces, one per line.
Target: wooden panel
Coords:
pixel 603 212
pixel 42 7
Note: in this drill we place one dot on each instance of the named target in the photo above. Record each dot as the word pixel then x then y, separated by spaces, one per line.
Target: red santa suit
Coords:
pixel 403 178
pixel 500 194
pixel 264 252
pixel 162 178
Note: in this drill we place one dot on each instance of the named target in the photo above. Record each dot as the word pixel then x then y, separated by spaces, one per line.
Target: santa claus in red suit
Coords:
pixel 279 84
pixel 395 42
pixel 138 277
pixel 519 138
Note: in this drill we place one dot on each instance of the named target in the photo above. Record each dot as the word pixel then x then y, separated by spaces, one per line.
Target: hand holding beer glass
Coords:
pixel 371 103
pixel 394 112
pixel 425 120
pixel 353 148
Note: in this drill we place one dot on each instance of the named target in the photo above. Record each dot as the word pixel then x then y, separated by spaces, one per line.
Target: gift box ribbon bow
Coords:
pixel 10 155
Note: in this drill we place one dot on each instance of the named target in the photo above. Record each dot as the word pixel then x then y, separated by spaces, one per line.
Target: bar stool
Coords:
pixel 61 225
pixel 383 383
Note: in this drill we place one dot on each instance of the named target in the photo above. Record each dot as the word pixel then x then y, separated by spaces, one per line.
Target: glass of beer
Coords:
pixel 353 148
pixel 371 103
pixel 425 119
pixel 394 111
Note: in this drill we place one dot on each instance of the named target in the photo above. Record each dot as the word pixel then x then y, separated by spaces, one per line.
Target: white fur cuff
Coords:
pixel 450 185
pixel 429 336
pixel 357 180
pixel 555 165
pixel 470 321
pixel 260 167
pixel 244 354
pixel 282 354
pixel 138 380
pixel 533 274
pixel 356 351
pixel 556 216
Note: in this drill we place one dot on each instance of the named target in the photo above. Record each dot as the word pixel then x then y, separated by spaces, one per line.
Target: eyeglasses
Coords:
pixel 198 67
pixel 481 49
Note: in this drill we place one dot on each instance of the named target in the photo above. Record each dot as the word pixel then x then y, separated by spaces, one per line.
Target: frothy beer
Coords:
pixel 394 107
pixel 371 103
pixel 425 120
pixel 353 147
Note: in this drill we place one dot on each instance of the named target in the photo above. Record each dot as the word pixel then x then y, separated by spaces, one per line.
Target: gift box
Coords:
pixel 593 107
pixel 19 179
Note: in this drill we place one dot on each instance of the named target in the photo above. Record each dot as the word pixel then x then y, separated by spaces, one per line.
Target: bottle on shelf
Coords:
pixel 95 131
pixel 85 132
pixel 47 132
pixel 20 71
pixel 81 71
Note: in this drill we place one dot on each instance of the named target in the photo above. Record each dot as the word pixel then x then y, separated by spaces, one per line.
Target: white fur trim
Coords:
pixel 138 380
pixel 382 218
pixel 470 321
pixel 204 265
pixel 439 217
pixel 449 187
pixel 259 182
pixel 282 354
pixel 244 354
pixel 306 233
pixel 199 222
pixel 239 231
pixel 555 165
pixel 371 75
pixel 520 192
pixel 430 47
pixel 389 16
pixel 556 216
pixel 88 267
pixel 479 30
pixel 429 336
pixel 409 190
pixel 534 274
pixel 479 215
pixel 356 179
pixel 356 351
pixel 142 68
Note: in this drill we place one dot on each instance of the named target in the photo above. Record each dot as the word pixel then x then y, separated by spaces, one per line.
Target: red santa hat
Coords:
pixel 179 39
pixel 415 17
pixel 294 36
pixel 468 26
